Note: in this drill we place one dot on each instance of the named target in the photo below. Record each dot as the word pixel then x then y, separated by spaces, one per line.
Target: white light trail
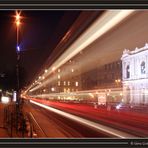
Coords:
pixel 86 122
pixel 102 25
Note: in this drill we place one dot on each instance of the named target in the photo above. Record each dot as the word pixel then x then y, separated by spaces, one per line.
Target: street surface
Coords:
pixel 133 123
pixel 54 125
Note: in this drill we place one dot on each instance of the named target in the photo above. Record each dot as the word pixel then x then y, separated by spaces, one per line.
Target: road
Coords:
pixel 133 123
pixel 57 126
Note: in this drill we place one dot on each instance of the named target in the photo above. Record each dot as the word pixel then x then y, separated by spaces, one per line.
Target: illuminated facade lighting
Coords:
pixel 134 75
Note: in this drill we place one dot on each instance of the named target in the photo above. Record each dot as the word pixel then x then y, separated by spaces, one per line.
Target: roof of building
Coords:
pixel 127 52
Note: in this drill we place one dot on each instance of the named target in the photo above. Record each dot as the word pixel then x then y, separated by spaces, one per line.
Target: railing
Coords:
pixel 35 129
pixel 14 120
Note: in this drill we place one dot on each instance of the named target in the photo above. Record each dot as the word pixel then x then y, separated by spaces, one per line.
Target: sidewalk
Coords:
pixel 3 131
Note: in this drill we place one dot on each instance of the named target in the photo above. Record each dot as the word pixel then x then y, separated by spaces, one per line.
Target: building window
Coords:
pixel 59 83
pixel 143 67
pixel 64 83
pixel 59 76
pixel 68 83
pixel 128 71
pixel 77 83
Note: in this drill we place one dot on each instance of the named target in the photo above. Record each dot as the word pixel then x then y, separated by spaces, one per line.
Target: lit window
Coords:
pixel 59 76
pixel 52 89
pixel 143 67
pixel 59 83
pixel 77 83
pixel 64 89
pixel 64 82
pixel 68 83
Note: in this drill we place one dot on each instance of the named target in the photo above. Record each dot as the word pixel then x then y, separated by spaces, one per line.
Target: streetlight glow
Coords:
pixel 18 23
pixel 17 16
pixel 18 49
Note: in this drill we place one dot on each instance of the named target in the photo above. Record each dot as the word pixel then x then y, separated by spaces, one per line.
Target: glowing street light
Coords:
pixel 17 20
pixel 17 15
pixel 18 49
pixel 18 23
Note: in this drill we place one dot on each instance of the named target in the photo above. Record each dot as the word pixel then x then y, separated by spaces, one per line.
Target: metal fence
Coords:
pixel 14 120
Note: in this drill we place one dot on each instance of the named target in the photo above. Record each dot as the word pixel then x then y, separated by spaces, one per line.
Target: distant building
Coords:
pixel 106 76
pixel 66 78
pixel 110 75
pixel 135 75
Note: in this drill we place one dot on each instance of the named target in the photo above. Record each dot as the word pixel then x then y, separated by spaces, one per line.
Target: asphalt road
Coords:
pixel 57 126
pixel 133 123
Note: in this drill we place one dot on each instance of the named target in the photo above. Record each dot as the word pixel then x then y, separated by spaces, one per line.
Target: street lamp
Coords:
pixel 17 21
pixel 18 49
pixel 117 81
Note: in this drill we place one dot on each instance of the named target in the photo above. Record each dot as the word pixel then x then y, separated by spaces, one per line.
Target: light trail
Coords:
pixel 86 122
pixel 102 25
pixel 96 92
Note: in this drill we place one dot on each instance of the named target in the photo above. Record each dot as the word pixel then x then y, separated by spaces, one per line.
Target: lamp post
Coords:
pixel 17 21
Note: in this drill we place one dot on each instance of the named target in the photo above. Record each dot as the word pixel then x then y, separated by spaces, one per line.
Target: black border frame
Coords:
pixel 73 5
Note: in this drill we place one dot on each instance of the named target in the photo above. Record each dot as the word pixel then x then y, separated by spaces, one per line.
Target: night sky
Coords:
pixel 40 31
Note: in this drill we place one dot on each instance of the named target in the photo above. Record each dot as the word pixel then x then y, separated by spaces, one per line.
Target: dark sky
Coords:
pixel 39 34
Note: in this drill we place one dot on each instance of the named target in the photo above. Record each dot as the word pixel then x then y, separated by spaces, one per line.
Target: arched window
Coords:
pixel 128 71
pixel 142 67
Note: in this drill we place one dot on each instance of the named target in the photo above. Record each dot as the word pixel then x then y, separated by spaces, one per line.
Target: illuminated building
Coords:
pixel 135 75
pixel 67 78
pixel 106 76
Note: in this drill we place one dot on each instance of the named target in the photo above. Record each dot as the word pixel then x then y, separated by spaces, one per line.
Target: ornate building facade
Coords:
pixel 135 75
